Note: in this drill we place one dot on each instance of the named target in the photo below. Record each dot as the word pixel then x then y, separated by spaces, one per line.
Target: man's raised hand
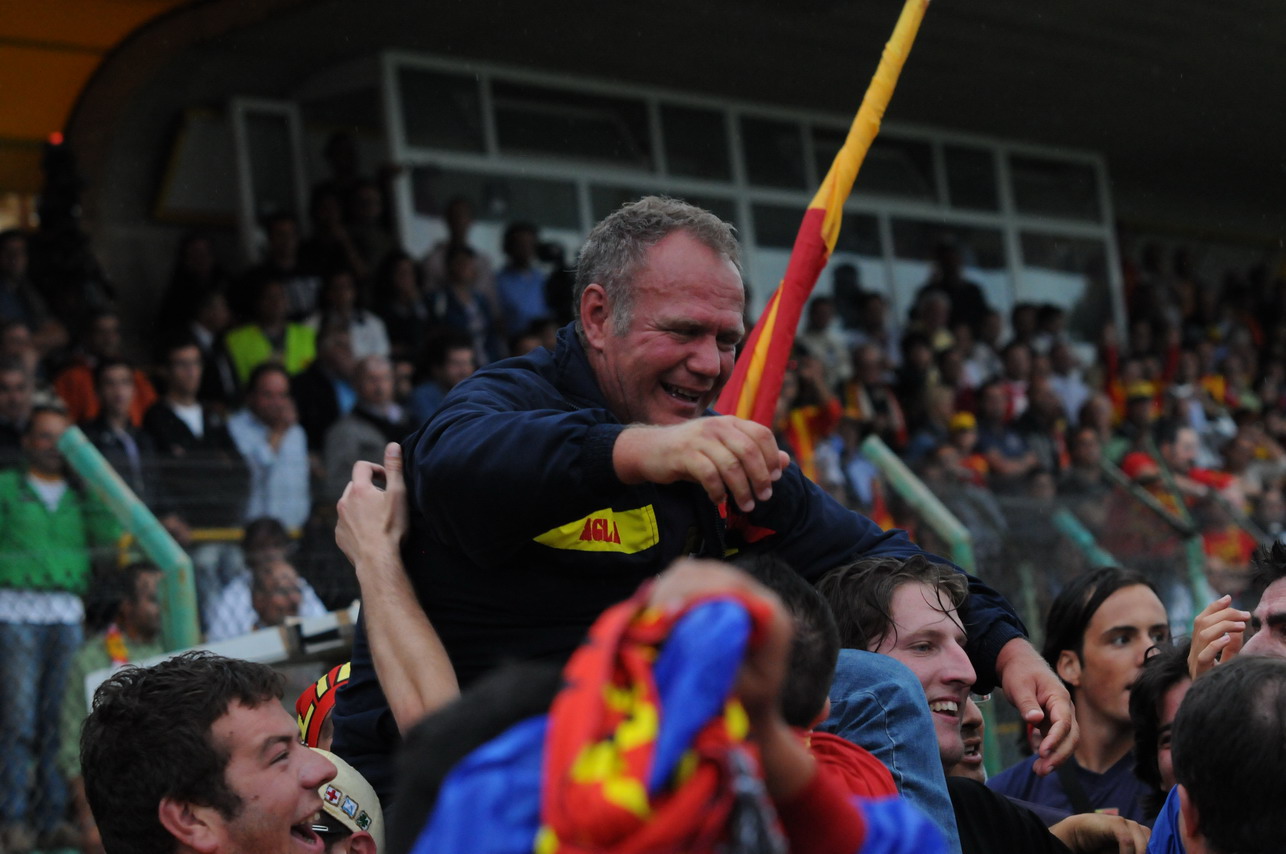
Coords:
pixel 372 521
pixel 731 458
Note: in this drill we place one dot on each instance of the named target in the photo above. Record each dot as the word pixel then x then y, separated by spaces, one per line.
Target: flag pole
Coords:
pixel 756 380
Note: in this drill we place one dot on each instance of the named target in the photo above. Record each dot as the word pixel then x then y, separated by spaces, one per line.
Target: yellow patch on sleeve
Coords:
pixel 606 530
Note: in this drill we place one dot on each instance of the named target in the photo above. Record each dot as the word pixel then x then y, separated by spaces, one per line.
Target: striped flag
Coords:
pixel 756 380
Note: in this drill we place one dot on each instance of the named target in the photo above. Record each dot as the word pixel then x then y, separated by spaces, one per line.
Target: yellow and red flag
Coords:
pixel 756 380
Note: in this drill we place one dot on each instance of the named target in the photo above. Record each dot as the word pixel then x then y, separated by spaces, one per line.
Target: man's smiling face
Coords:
pixel 676 352
pixel 928 637
pixel 276 778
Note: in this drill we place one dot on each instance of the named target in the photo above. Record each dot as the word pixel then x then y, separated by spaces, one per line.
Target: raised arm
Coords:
pixel 410 661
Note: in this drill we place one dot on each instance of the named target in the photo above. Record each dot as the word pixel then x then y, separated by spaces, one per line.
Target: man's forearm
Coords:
pixel 410 661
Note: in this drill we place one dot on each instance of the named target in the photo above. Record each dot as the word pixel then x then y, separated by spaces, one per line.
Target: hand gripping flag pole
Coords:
pixel 756 380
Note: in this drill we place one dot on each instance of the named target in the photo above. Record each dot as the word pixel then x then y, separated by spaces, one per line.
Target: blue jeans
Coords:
pixel 878 704
pixel 33 671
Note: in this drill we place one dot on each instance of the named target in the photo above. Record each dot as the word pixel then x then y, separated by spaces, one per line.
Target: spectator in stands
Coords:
pixel 1154 701
pixel 51 532
pixel 368 228
pixel 448 359
pixel 200 471
pixel 133 634
pixel 275 592
pixel 1099 630
pixel 219 384
pixel 362 434
pixel 870 401
pixel 520 284
pixel 1024 323
pixel 1015 378
pixel 324 391
pixel 128 448
pixel 270 336
pixel 1044 428
pixel 459 219
pixel 196 276
pixel 330 246
pixel 75 383
pixel 341 307
pixel 1136 424
pixel 399 300
pixel 935 428
pixel 968 305
pixel 908 610
pixel 1067 379
pixel 932 320
pixel 824 341
pixel 272 443
pixel 877 329
pixel 1083 483
pixel 16 400
pixel 846 285
pixel 19 299
pixel 915 376
pixel 1009 459
pixel 282 264
pixel 1051 328
pixel 462 306
pixel 197 754
pixel 16 345
pixel 352 820
pixel 229 612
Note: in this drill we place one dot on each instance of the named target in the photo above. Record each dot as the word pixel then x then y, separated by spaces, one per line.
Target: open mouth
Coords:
pixel 681 394
pixel 305 834
pixel 972 751
pixel 945 707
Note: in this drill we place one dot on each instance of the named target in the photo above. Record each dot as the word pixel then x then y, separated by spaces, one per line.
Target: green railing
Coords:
pixel 179 626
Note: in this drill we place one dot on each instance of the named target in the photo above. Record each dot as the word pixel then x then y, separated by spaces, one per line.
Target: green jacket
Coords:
pixel 40 550
pixel 248 348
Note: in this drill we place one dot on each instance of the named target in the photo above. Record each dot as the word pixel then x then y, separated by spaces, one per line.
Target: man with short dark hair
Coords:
pixel 375 420
pixel 200 470
pixel 197 754
pixel 75 384
pixel 1228 739
pixel 268 435
pixel 449 360
pixel 133 634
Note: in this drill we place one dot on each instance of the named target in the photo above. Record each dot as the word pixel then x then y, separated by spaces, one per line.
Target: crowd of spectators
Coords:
pixel 262 388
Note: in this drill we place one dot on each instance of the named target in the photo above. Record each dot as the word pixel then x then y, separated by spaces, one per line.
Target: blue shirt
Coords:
pixel 1165 833
pixel 1116 791
pixel 522 297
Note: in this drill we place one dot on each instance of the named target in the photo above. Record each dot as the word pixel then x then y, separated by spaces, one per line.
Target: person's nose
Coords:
pixel 705 358
pixel 317 770
pixel 959 667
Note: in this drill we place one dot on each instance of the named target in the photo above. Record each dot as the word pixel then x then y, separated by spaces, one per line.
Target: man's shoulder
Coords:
pixel 1016 780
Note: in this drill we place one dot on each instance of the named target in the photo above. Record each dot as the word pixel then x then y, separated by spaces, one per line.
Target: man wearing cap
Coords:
pixel 351 821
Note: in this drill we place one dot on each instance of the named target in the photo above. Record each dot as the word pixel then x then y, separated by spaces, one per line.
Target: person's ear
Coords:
pixel 595 315
pixel 194 827
pixel 361 842
pixel 1068 668
pixel 822 715
pixel 1189 820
